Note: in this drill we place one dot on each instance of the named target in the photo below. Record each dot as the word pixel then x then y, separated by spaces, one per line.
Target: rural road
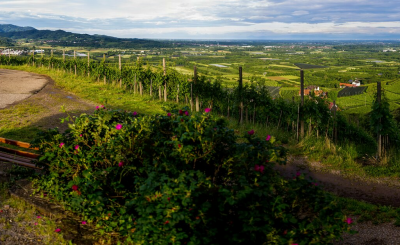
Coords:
pixel 18 85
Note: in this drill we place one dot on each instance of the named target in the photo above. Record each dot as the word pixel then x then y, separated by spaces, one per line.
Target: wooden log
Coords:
pixel 17 143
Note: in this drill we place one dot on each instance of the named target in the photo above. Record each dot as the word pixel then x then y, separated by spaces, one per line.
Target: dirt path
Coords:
pixel 42 94
pixel 376 193
pixel 18 85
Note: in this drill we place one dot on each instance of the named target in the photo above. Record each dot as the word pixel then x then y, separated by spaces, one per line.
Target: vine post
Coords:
pixel 75 61
pixel 33 58
pixel 379 136
pixel 120 70
pixel 104 61
pixel 88 64
pixel 135 86
pixel 196 95
pixel 297 124
pixel 151 87
pixel 334 123
pixel 177 95
pixel 240 95
pixel 63 55
pixel 228 108
pixel 41 55
pixel 52 59
pixel 191 96
pixel 165 81
pixel 302 102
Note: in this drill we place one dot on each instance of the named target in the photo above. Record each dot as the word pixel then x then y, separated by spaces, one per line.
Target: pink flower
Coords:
pixel 316 184
pixel 349 221
pixel 298 174
pixel 166 222
pixel 118 127
pixel 295 244
pixel 134 113
pixel 84 222
pixel 38 217
pixel 268 137
pixel 169 199
pixel 61 144
pixel 120 164
pixel 76 147
pixel 180 112
pixel 207 110
pixel 251 132
pixel 36 223
pixel 58 230
pixel 169 114
pixel 97 107
pixel 80 135
pixel 259 168
pixel 179 145
pixel 186 113
pixel 75 187
pixel 102 106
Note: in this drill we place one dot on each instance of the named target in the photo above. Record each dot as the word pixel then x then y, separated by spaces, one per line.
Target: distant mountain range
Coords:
pixel 69 39
pixel 14 28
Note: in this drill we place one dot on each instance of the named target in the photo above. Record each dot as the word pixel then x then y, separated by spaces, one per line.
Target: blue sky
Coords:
pixel 211 19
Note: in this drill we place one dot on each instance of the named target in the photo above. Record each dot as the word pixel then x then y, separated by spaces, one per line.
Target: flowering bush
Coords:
pixel 182 178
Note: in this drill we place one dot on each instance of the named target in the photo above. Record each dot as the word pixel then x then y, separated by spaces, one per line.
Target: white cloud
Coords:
pixel 134 18
pixel 300 12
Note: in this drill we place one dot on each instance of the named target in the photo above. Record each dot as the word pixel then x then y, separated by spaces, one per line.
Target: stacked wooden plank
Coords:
pixel 19 157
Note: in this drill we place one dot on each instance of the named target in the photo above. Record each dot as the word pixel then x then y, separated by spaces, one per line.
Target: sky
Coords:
pixel 212 19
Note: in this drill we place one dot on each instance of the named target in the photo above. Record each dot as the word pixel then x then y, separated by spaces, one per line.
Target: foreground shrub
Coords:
pixel 182 178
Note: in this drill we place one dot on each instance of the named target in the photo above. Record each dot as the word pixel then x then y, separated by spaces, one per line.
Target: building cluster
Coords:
pixel 351 83
pixel 389 50
pixel 11 52
pixel 314 89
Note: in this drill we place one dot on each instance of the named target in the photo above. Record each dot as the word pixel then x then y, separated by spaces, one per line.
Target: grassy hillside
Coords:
pixel 69 39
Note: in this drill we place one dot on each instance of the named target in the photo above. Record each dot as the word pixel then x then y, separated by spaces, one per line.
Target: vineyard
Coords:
pixel 253 102
pixel 350 91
